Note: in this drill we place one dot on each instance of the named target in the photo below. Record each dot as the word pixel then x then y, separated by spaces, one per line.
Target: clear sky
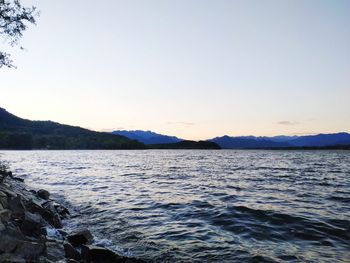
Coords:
pixel 191 68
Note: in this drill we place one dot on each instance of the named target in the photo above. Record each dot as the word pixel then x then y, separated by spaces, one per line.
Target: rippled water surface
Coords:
pixel 203 206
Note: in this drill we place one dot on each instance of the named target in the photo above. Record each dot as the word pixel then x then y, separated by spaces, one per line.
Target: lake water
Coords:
pixel 203 206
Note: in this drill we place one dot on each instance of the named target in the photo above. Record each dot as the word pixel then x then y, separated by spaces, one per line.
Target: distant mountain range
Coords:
pixel 22 134
pixel 320 140
pixel 18 133
pixel 248 142
pixel 148 137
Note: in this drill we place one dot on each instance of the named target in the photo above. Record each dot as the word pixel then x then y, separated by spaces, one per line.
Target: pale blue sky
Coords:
pixel 195 69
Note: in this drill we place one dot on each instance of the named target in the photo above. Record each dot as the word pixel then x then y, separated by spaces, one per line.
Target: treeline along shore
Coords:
pixel 21 134
pixel 31 229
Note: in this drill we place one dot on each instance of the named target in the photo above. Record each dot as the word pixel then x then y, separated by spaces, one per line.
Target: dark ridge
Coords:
pixel 22 134
pixel 339 140
pixel 186 145
pixel 148 137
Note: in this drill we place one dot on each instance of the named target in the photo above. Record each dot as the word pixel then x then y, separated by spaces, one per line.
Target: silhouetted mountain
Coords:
pixel 18 133
pixel 187 145
pixel 148 137
pixel 227 142
pixel 252 142
pixel 341 138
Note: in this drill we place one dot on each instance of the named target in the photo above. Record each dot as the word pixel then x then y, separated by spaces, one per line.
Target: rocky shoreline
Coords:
pixel 31 229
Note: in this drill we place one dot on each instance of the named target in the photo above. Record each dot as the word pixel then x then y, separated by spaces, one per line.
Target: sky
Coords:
pixel 196 69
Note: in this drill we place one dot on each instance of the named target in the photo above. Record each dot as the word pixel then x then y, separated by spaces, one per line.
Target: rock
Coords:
pixel 61 210
pixel 4 202
pixel 55 251
pixel 5 215
pixel 71 252
pixel 56 221
pixel 8 243
pixel 35 207
pixel 2 227
pixel 63 233
pixel 30 250
pixel 80 237
pixel 44 259
pixel 100 254
pixel 10 258
pixel 47 211
pixel 134 260
pixel 16 206
pixel 31 224
pixel 7 191
pixel 43 194
pixel 18 179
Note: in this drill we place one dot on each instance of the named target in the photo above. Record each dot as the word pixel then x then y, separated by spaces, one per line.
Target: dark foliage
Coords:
pixel 14 20
pixel 186 145
pixel 17 133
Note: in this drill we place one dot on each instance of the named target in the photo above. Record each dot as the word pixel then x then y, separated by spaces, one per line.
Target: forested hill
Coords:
pixel 18 133
pixel 199 145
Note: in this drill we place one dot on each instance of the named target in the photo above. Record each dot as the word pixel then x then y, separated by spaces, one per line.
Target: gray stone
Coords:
pixel 3 201
pixel 61 210
pixel 44 259
pixel 18 179
pixel 8 243
pixel 43 194
pixel 17 207
pixel 100 254
pixel 10 258
pixel 71 252
pixel 31 224
pixel 5 215
pixel 80 237
pixel 30 250
pixel 2 227
pixel 55 251
pixel 7 191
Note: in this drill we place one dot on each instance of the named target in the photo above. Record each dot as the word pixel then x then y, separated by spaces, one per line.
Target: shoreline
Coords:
pixel 31 229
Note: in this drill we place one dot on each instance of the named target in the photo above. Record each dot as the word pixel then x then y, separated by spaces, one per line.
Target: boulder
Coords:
pixel 71 252
pixel 10 258
pixel 100 254
pixel 80 237
pixel 18 179
pixel 55 221
pixel 43 194
pixel 55 251
pixel 17 207
pixel 61 210
pixel 8 243
pixel 7 191
pixel 3 201
pixel 2 227
pixel 31 224
pixel 30 251
pixel 34 206
pixel 5 215
pixel 47 211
